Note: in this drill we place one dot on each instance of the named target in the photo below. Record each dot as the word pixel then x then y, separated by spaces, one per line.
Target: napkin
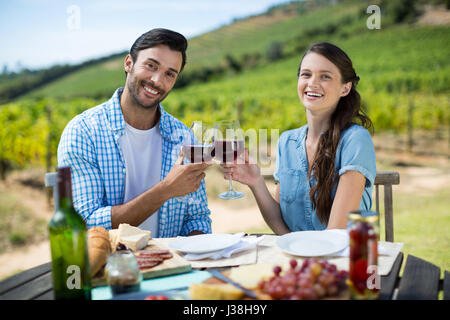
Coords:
pixel 244 244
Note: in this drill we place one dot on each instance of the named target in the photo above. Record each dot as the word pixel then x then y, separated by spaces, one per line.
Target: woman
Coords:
pixel 326 168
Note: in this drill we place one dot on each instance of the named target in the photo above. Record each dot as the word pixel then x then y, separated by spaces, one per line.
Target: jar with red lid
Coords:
pixel 364 280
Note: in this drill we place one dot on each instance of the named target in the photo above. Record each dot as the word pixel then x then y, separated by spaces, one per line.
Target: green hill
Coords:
pixel 251 37
pixel 397 57
pixel 393 66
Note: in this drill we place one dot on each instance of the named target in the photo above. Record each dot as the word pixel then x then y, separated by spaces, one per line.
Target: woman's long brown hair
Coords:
pixel 348 112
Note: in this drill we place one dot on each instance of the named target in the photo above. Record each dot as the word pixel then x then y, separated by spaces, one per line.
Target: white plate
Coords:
pixel 313 243
pixel 205 242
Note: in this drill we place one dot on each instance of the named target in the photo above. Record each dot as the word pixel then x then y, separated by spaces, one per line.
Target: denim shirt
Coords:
pixel 355 152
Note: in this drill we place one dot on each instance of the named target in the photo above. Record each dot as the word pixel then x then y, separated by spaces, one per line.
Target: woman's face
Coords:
pixel 320 84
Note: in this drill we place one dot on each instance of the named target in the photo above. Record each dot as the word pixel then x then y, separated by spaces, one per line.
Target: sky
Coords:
pixel 41 33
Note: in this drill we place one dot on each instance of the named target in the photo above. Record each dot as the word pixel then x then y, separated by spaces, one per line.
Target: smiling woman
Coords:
pixel 327 167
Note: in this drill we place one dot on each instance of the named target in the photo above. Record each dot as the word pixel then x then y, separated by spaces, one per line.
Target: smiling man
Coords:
pixel 125 153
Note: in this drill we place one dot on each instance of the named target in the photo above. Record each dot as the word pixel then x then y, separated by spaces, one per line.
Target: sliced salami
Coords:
pixel 153 252
pixel 166 256
pixel 148 264
pixel 150 259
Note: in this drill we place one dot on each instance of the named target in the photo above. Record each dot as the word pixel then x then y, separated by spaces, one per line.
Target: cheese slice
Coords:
pixel 113 237
pixel 210 291
pixel 126 230
pixel 135 242
pixel 133 237
pixel 248 276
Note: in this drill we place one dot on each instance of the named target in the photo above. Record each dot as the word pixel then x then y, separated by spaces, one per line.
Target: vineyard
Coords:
pixel 404 71
pixel 396 73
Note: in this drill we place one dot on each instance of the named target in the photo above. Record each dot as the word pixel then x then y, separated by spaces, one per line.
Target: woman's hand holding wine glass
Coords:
pixel 247 173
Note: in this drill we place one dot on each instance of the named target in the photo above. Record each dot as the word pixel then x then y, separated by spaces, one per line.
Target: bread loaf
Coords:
pixel 99 248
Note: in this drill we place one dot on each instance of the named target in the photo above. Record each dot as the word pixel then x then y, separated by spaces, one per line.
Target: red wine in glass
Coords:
pixel 197 153
pixel 227 151
pixel 229 144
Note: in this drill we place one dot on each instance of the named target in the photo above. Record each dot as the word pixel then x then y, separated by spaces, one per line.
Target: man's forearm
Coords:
pixel 136 211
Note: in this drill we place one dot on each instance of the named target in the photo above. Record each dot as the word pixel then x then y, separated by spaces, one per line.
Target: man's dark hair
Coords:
pixel 174 40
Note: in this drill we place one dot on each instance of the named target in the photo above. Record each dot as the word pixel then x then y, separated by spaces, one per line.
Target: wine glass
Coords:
pixel 197 148
pixel 228 145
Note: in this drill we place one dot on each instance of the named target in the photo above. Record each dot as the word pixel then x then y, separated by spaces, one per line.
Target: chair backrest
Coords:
pixel 386 179
pixel 51 181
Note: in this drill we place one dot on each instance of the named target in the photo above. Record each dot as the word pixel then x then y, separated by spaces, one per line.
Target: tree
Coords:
pixel 275 51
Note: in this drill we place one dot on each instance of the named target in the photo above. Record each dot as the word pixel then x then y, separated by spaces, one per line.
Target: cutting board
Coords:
pixel 174 265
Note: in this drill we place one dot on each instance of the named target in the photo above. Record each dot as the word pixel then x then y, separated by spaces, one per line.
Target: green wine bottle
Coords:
pixel 68 242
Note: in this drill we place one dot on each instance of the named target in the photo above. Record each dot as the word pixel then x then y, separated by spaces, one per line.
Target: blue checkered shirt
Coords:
pixel 90 146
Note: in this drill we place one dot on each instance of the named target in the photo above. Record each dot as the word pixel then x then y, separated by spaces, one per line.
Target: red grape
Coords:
pixel 277 270
pixel 293 263
pixel 277 292
pixel 304 283
pixel 332 290
pixel 309 294
pixel 320 291
pixel 305 264
pixel 290 291
pixel 325 279
pixel 331 268
pixel 289 280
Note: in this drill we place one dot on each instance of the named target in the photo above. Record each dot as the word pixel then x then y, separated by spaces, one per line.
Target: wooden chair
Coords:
pixel 386 179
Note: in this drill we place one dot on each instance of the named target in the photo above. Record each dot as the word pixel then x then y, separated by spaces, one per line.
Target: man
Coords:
pixel 125 153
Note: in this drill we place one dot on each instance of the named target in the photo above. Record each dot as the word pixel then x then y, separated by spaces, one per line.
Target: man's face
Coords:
pixel 151 77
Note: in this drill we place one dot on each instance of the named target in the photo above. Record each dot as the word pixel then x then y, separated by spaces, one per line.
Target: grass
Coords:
pixel 18 226
pixel 422 223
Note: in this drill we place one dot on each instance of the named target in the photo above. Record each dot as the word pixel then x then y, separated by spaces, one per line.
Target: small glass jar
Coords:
pixel 364 280
pixel 122 273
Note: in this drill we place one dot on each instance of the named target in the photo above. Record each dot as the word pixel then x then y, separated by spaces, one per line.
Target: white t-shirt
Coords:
pixel 142 150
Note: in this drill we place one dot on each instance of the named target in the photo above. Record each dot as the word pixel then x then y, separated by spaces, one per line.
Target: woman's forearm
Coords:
pixel 270 209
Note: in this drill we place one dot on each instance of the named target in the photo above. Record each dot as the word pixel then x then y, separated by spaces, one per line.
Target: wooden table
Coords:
pixel 420 280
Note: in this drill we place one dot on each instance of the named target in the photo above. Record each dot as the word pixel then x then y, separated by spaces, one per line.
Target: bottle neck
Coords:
pixel 65 203
pixel 64 188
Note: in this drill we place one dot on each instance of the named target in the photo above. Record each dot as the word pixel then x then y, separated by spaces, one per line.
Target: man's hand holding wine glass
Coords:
pixel 185 178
